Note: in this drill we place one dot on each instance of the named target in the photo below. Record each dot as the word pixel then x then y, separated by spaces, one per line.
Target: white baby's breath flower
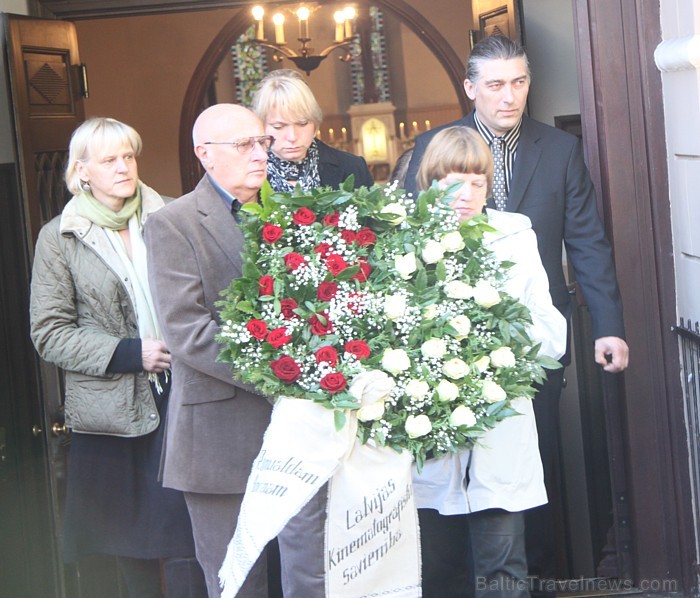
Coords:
pixel 456 289
pixel 462 325
pixel 418 425
pixel 502 357
pixel 395 361
pixel 447 391
pixel 485 294
pixel 433 348
pixel 462 416
pixel 452 241
pixel 455 368
pixel 405 265
pixel 432 252
pixel 492 392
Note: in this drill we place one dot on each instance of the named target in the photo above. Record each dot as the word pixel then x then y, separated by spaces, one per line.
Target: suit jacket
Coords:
pixel 214 425
pixel 551 186
pixel 334 166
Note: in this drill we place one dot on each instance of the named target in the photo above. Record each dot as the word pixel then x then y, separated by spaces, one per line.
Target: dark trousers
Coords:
pixel 541 529
pixel 481 554
pixel 214 518
pixel 182 577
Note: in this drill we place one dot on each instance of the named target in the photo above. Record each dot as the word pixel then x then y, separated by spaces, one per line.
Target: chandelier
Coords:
pixel 305 58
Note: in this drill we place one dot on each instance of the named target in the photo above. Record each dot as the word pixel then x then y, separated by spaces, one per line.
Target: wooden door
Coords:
pixel 46 89
pixel 496 17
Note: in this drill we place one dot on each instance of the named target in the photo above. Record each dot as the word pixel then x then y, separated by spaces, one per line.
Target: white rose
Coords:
pixel 418 425
pixel 395 361
pixel 462 416
pixel 492 392
pixel 394 306
pixel 447 391
pixel 405 265
pixel 482 364
pixel 502 358
pixel 397 210
pixel 432 252
pixel 417 389
pixel 371 412
pixel 485 295
pixel 456 289
pixel 462 325
pixel 452 241
pixel 455 368
pixel 433 348
pixel 430 312
pixel 371 389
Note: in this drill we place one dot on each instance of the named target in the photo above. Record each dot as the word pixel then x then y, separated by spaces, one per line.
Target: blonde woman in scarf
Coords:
pixel 92 315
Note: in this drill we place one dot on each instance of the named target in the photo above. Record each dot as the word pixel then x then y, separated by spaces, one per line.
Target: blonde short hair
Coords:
pixel 458 150
pixel 93 135
pixel 287 91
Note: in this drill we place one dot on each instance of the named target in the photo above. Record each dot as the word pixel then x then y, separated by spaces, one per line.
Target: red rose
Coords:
pixel 286 369
pixel 359 349
pixel 271 233
pixel 304 217
pixel 335 264
pixel 348 235
pixel 327 354
pixel 318 327
pixel 365 237
pixel 326 291
pixel 278 337
pixel 266 285
pixel 293 261
pixel 287 306
pixel 331 219
pixel 333 382
pixel 257 328
pixel 323 249
pixel 364 271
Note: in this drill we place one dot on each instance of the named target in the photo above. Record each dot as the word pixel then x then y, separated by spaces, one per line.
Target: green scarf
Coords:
pixel 98 213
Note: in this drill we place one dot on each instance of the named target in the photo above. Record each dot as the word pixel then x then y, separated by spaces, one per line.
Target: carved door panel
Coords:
pixel 47 87
pixel 493 17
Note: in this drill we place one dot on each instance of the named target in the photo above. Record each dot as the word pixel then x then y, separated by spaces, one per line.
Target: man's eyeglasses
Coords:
pixel 245 146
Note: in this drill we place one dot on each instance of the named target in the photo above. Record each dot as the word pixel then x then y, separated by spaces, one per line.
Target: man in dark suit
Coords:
pixel 215 426
pixel 539 171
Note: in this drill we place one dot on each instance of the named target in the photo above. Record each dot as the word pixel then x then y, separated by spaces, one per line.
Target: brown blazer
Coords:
pixel 214 425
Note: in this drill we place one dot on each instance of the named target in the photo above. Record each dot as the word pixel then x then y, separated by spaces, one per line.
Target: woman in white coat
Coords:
pixel 502 476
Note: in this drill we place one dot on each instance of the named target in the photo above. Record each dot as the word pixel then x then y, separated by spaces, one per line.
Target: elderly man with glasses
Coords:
pixel 215 425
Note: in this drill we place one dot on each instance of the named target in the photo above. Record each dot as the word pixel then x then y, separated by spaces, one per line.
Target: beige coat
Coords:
pixel 81 307
pixel 215 426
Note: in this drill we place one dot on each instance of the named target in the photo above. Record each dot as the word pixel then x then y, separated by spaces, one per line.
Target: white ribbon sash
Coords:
pixel 372 542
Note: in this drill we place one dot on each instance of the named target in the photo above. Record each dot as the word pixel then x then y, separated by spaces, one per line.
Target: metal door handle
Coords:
pixel 59 428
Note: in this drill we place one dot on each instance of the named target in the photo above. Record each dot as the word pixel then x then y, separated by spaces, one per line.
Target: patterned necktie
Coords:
pixel 499 174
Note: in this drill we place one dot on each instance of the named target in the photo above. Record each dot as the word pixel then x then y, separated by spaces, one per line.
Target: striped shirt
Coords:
pixel 510 145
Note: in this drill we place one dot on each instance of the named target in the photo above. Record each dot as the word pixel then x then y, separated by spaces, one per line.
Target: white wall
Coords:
pixel 18 7
pixel 549 39
pixel 678 58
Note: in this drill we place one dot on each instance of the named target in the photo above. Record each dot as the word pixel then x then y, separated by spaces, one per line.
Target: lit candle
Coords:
pixel 303 14
pixel 427 125
pixel 339 17
pixel 331 134
pixel 402 131
pixel 415 127
pixel 258 13
pixel 278 20
pixel 349 16
pixel 344 131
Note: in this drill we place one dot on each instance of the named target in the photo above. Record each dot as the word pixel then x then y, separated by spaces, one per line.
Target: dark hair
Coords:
pixel 494 47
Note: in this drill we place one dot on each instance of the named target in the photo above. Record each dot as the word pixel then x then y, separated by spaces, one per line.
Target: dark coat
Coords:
pixel 551 185
pixel 334 166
